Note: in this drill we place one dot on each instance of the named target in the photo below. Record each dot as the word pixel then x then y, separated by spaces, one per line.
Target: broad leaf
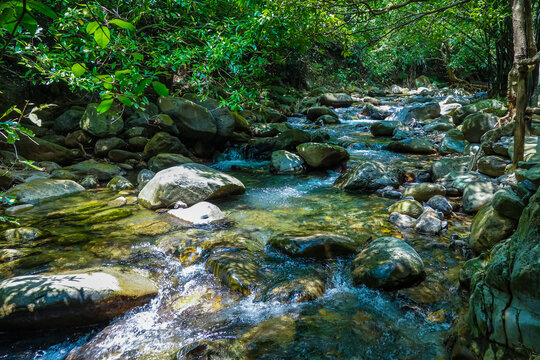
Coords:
pixel 102 35
pixel 160 88
pixel 78 70
pixel 104 106
pixel 122 24
pixel 125 100
pixel 92 27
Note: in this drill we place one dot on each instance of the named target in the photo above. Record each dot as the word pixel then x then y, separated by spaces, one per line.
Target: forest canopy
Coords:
pixel 124 50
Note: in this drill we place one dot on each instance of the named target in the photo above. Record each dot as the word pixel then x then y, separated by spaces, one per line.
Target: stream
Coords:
pixel 195 316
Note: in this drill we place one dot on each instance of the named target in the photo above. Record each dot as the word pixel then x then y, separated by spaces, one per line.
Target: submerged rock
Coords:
pixel 301 289
pixel 402 221
pixel 319 246
pixel 238 270
pixel 189 183
pixel 387 263
pixel 366 177
pixel 319 155
pixel 202 213
pixel 34 191
pixel 71 299
pixel 284 162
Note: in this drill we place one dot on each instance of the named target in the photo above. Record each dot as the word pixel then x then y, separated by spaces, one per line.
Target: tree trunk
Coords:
pixel 518 78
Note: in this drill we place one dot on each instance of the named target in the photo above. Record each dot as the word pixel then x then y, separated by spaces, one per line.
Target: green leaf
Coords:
pixel 122 24
pixel 138 56
pixel 92 27
pixel 104 106
pixel 102 35
pixel 78 70
pixel 42 8
pixel 125 100
pixel 139 90
pixel 160 88
pixel 35 119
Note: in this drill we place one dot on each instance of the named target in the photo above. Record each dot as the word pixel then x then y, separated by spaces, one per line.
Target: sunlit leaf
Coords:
pixel 78 70
pixel 160 88
pixel 104 106
pixel 122 24
pixel 102 35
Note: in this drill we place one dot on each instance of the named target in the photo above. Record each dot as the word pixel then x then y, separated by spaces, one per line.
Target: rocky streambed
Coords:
pixel 339 233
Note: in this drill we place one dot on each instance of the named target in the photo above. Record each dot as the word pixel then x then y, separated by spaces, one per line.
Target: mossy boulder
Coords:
pixel 75 298
pixel 163 142
pixel 489 228
pixel 188 183
pixel 336 100
pixel 193 121
pixel 387 263
pixel 102 125
pixel 407 207
pixel 34 191
pixel 102 171
pixel 318 246
pixel 165 161
pixel 412 146
pixel 319 155
pixel 366 177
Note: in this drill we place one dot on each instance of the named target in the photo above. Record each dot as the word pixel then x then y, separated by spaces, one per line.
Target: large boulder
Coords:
pixel 101 171
pixel 452 143
pixel 34 191
pixel 423 112
pixel 336 100
pixel 366 177
pixel 508 204
pixel 375 112
pixel 476 125
pixel 384 128
pixel 42 150
pixel 193 121
pixel 189 184
pixel 489 228
pixel 284 162
pixel 490 106
pixel 505 300
pixel 68 121
pixel 492 165
pixel 163 142
pixel 75 298
pixel 424 191
pixel 225 121
pixel 476 194
pixel 164 161
pixel 316 112
pixel 319 246
pixel 387 263
pixel 102 125
pixel 319 155
pixel 445 166
pixel 412 146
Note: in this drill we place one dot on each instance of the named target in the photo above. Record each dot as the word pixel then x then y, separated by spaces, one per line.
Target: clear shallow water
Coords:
pixel 193 311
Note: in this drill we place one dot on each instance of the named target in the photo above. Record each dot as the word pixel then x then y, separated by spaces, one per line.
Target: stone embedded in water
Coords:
pixel 71 299
pixel 18 209
pixel 238 270
pixel 319 246
pixel 408 207
pixel 384 128
pixel 489 228
pixel 336 100
pixel 118 202
pixel 202 213
pixel 430 223
pixel 413 146
pixel 387 263
pixel 319 155
pixel 367 176
pixel 284 162
pixel 120 183
pixel 375 112
pixel 22 234
pixel 424 191
pixel 317 111
pixel 402 221
pixel 301 289
pixel 441 204
pixel 277 334
pixel 107 215
pixel 38 190
pixel 189 183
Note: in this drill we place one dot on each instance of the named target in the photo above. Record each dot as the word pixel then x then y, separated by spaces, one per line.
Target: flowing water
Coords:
pixel 195 316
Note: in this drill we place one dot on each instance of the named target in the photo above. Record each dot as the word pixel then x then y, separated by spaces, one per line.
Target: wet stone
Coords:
pixel 408 207
pixel 238 270
pixel 319 246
